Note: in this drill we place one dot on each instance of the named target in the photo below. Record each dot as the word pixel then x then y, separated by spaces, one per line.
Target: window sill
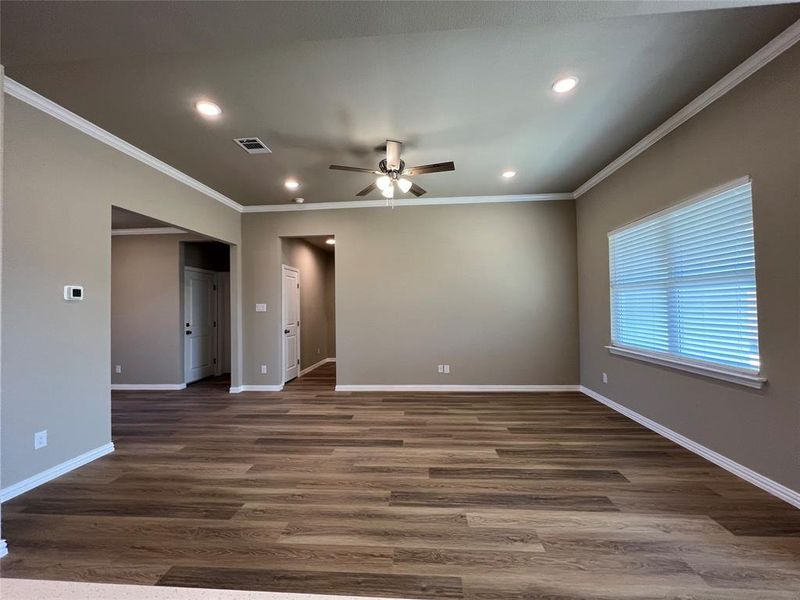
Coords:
pixel 729 375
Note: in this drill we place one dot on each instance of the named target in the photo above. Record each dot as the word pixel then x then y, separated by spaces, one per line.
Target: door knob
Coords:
pixel 285 331
pixel 188 333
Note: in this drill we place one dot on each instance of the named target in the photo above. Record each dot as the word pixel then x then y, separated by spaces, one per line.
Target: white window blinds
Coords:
pixel 683 282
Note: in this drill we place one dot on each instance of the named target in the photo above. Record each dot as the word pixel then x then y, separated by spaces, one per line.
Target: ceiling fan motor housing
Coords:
pixel 393 155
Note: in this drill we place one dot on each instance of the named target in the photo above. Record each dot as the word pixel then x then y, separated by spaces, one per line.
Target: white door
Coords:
pixel 199 314
pixel 291 323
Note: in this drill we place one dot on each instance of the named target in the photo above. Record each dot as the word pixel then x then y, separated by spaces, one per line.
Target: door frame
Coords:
pixel 214 311
pixel 280 322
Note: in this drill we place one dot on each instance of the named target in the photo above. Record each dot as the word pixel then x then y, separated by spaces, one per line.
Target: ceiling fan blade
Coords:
pixel 354 169
pixel 371 187
pixel 434 168
pixel 416 190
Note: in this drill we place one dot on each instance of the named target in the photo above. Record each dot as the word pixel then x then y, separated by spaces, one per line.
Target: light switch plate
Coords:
pixel 263 369
pixel 441 368
pixel 118 369
pixel 605 377
pixel 261 308
pixel 447 368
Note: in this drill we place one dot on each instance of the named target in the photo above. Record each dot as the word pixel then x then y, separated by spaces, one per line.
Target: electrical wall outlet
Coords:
pixel 263 369
pixel 40 439
pixel 447 369
pixel 261 308
pixel 605 377
pixel 441 368
pixel 317 350
pixel 118 369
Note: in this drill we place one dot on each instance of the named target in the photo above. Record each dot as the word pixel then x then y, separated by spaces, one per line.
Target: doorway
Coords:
pixel 308 322
pixel 205 318
pixel 187 281
pixel 200 323
pixel 290 321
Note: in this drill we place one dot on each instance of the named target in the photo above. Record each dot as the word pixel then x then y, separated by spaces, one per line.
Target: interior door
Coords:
pixel 199 310
pixel 291 323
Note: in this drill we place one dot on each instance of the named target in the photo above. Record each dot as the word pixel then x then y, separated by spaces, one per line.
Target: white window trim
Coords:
pixel 752 380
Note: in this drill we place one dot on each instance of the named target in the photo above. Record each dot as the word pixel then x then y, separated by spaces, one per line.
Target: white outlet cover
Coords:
pixel 118 369
pixel 39 439
pixel 441 368
pixel 261 308
pixel 263 369
pixel 447 368
pixel 605 377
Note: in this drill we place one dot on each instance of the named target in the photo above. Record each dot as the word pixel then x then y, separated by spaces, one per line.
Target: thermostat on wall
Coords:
pixel 73 292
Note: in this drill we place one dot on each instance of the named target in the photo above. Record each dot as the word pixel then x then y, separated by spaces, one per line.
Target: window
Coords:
pixel 683 287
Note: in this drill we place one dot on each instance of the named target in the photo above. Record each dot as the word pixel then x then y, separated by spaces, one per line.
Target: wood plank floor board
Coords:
pixel 512 496
pixel 509 501
pixel 535 474
pixel 362 584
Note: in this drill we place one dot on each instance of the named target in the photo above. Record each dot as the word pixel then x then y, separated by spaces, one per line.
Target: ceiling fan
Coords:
pixel 392 172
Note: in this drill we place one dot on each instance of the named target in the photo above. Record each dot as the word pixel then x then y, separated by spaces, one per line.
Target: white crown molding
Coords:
pixel 398 202
pixel 255 388
pixel 774 48
pixel 456 388
pixel 27 95
pixel 28 484
pixel 768 485
pixel 148 387
pixel 316 365
pixel 148 231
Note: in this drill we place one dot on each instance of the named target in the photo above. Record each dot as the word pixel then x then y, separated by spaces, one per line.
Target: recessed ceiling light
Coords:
pixel 291 184
pixel 508 173
pixel 330 241
pixel 562 86
pixel 298 200
pixel 208 109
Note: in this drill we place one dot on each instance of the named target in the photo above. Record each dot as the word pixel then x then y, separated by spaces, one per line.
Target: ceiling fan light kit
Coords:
pixel 392 173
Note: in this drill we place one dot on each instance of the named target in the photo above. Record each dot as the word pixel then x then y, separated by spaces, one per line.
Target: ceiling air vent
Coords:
pixel 253 145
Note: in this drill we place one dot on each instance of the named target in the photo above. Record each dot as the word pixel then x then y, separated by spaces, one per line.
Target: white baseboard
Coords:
pixel 256 388
pixel 148 387
pixel 457 388
pixel 768 485
pixel 28 484
pixel 3 548
pixel 315 365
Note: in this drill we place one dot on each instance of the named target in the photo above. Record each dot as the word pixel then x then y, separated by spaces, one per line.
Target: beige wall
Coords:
pixel 488 288
pixel 59 188
pixel 313 264
pixel 754 130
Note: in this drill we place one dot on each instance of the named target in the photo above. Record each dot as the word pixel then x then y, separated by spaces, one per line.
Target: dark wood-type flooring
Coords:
pixel 477 496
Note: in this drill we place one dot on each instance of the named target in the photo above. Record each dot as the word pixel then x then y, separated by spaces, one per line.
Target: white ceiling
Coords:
pixel 325 83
